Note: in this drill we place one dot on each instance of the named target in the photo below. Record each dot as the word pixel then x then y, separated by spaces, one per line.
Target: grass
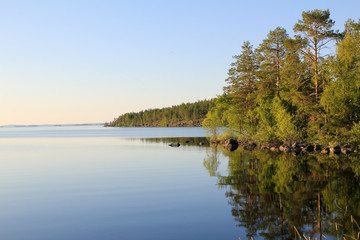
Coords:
pixel 355 234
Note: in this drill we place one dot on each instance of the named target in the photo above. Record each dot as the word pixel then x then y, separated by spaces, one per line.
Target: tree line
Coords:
pixel 291 89
pixel 183 115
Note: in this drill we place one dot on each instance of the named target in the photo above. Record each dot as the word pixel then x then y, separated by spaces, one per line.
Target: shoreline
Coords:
pixel 295 148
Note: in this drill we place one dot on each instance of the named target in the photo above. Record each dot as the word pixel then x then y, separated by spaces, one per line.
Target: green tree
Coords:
pixel 212 122
pixel 341 98
pixel 285 127
pixel 315 27
pixel 271 54
pixel 241 89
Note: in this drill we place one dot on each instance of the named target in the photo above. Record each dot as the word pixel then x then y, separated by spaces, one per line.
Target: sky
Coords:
pixel 86 61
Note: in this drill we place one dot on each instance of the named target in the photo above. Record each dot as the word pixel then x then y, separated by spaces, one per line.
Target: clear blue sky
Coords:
pixel 90 61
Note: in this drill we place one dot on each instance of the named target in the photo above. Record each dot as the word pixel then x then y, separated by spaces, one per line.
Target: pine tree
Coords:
pixel 241 88
pixel 315 27
pixel 271 57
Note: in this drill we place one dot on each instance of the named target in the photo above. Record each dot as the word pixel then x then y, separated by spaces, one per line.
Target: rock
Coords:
pixel 295 145
pixel 231 144
pixel 335 150
pixel 175 144
pixel 308 148
pixel 296 151
pixel 285 148
pixel 249 146
pixel 264 147
pixel 325 150
pixel 346 149
pixel 317 147
pixel 274 149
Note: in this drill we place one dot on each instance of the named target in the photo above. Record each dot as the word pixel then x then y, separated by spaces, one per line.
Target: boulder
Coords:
pixel 264 147
pixel 346 149
pixel 249 146
pixel 325 150
pixel 317 147
pixel 296 151
pixel 285 148
pixel 274 149
pixel 231 144
pixel 295 145
pixel 335 150
pixel 174 144
pixel 308 148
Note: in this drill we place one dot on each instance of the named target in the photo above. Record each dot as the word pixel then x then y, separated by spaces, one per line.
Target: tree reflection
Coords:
pixel 211 162
pixel 271 194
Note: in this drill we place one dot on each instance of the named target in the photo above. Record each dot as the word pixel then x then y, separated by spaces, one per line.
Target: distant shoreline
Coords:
pixel 52 125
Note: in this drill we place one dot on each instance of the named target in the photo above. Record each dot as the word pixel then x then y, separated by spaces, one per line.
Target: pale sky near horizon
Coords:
pixel 90 61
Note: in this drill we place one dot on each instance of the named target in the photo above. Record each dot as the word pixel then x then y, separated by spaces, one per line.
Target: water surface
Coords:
pixel 68 186
pixel 90 182
pixel 88 131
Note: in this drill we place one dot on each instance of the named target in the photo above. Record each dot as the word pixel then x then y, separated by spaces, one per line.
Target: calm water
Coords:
pixel 108 183
pixel 97 131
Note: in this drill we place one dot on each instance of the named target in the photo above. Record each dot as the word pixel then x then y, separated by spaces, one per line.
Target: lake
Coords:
pixel 90 182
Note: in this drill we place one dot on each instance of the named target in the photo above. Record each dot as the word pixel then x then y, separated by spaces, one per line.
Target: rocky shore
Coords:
pixel 294 148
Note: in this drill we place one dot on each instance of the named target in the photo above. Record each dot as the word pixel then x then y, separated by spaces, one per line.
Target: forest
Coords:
pixel 184 115
pixel 304 87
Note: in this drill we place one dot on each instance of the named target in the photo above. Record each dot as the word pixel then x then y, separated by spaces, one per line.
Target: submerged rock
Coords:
pixel 175 144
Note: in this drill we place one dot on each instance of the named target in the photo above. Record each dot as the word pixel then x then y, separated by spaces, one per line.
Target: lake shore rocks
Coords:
pixel 285 148
pixel 230 144
pixel 325 150
pixel 335 150
pixel 249 146
pixel 295 148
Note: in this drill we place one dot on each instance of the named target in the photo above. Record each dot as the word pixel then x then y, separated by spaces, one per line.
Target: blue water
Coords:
pixel 97 131
pixel 90 182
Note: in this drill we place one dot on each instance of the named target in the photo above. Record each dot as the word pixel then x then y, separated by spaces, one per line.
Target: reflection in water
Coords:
pixel 211 162
pixel 272 194
pixel 184 141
